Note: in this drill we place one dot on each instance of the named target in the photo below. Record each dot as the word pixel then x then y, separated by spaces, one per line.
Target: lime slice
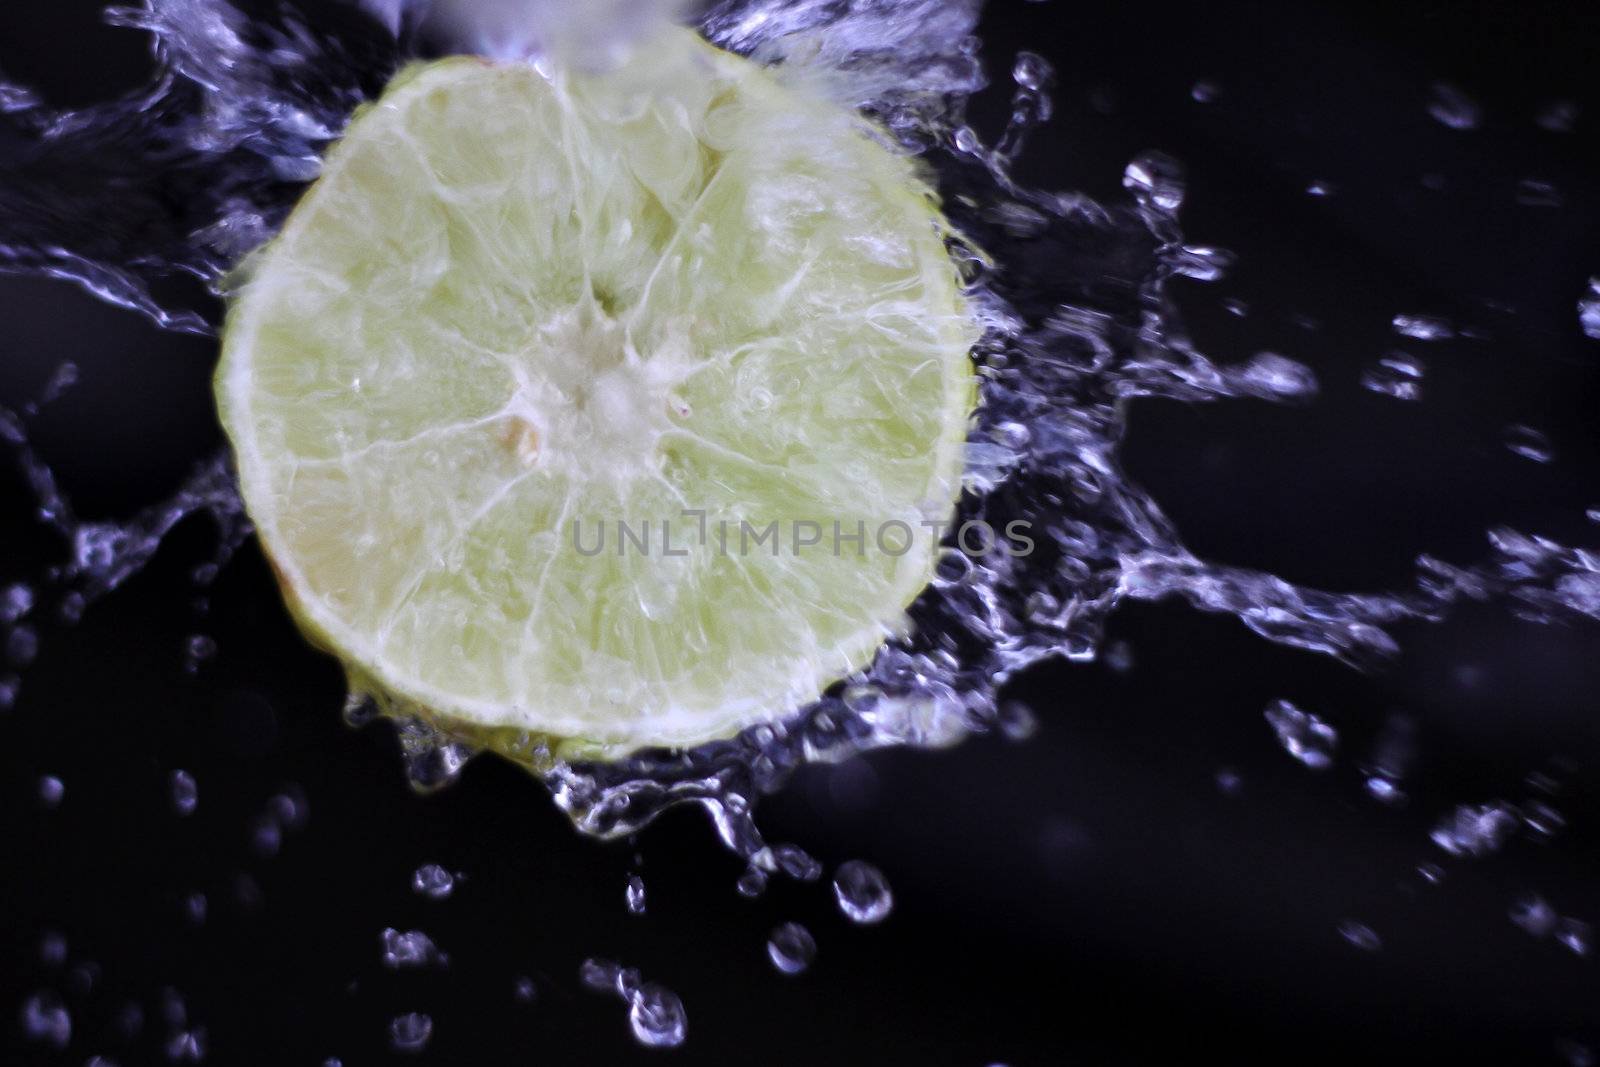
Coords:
pixel 678 310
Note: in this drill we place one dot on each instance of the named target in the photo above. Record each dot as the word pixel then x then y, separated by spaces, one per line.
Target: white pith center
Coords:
pixel 586 403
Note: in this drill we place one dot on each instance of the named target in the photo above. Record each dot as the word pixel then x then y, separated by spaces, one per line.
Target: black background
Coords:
pixel 1088 896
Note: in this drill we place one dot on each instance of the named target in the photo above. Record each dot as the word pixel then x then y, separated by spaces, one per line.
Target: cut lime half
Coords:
pixel 611 409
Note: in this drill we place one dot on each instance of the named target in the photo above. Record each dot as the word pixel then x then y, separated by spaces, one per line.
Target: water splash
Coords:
pixel 1074 296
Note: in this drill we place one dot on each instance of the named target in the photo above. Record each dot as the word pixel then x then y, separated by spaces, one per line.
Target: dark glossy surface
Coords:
pixel 1087 896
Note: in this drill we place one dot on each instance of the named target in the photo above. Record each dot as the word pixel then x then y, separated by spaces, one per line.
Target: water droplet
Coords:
pixel 1235 307
pixel 1589 310
pixel 52 948
pixel 22 647
pixel 1541 819
pixel 1016 721
pixel 791 948
pixel 1302 734
pixel 1535 916
pixel 1271 374
pixel 409 948
pixel 1360 935
pixel 1229 782
pixel 1532 192
pixel 1205 92
pixel 15 602
pixel 1529 443
pixel 187 1046
pixel 797 863
pixel 1574 935
pixel 1576 1054
pixel 1384 790
pixel 247 891
pixel 185 792
pixel 1452 107
pixel 1476 830
pixel 289 808
pixel 598 975
pixel 657 1017
pixel 51 791
pixel 633 895
pixel 752 882
pixel 862 892
pixel 194 906
pixel 410 1032
pixel 1424 327
pixel 196 650
pixel 1398 374
pixel 81 979
pixel 266 837
pixel 1319 188
pixel 1558 116
pixel 525 990
pixel 1032 71
pixel 1118 657
pixel 45 1019
pixel 1202 263
pixel 1156 181
pixel 433 881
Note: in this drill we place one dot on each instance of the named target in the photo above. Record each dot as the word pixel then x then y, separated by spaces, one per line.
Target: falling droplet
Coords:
pixel 1156 181
pixel 1476 830
pixel 634 894
pixel 1589 310
pixel 1533 915
pixel 45 1019
pixel 433 881
pixel 1302 734
pixel 1360 935
pixel 410 1032
pixel 51 791
pixel 1032 71
pixel 1398 375
pixel 52 949
pixel 15 602
pixel 185 792
pixel 791 948
pixel 797 863
pixel 1574 935
pixel 1529 443
pixel 22 647
pixel 1558 116
pixel 187 1046
pixel 752 883
pixel 657 1017
pixel 1204 92
pixel 1424 327
pixel 1532 192
pixel 862 892
pixel 1452 107
pixel 409 949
